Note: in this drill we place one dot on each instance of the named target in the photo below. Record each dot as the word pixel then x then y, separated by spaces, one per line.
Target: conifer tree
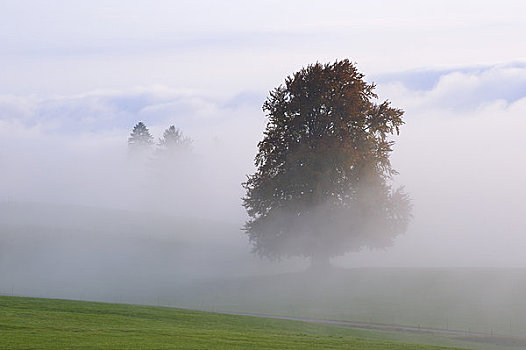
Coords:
pixel 140 139
pixel 173 141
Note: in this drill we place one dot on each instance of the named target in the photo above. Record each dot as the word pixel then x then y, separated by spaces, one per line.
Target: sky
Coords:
pixel 76 77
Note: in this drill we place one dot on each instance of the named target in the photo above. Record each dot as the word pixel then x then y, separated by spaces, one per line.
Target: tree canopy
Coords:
pixel 140 138
pixel 173 141
pixel 323 181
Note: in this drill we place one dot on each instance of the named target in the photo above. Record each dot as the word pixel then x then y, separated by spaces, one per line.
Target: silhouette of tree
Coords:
pixel 173 141
pixel 140 139
pixel 322 184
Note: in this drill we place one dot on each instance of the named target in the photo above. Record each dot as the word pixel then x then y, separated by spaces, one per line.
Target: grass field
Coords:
pixel 31 323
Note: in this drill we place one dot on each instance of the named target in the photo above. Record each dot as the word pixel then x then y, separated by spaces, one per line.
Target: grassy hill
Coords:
pixel 102 254
pixel 489 301
pixel 143 258
pixel 29 323
pixel 96 253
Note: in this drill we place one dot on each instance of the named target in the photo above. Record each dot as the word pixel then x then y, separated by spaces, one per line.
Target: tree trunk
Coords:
pixel 320 262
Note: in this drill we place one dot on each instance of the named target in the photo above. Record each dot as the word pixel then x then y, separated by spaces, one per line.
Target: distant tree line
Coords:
pixel 173 141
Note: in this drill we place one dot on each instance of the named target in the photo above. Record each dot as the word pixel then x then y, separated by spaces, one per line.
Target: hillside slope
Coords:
pixel 28 323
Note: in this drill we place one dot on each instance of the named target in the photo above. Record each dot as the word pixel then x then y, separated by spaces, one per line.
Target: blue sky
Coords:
pixel 76 77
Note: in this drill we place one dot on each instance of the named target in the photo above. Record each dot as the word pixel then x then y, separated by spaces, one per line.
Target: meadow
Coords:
pixel 32 323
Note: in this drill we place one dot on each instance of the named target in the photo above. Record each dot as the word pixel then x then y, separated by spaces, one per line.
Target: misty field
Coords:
pixel 488 301
pixel 119 256
pixel 29 323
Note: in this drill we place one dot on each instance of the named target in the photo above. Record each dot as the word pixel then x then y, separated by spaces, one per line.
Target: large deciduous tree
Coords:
pixel 323 181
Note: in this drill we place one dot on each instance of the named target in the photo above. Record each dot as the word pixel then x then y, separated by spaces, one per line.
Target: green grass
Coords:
pixel 31 323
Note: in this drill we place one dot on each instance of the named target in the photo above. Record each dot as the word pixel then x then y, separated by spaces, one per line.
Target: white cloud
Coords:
pixel 463 90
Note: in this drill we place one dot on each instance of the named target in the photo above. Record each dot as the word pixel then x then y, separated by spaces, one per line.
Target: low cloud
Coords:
pixel 453 91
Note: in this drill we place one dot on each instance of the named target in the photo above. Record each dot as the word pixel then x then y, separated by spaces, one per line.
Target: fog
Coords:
pixel 81 218
pixel 459 156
